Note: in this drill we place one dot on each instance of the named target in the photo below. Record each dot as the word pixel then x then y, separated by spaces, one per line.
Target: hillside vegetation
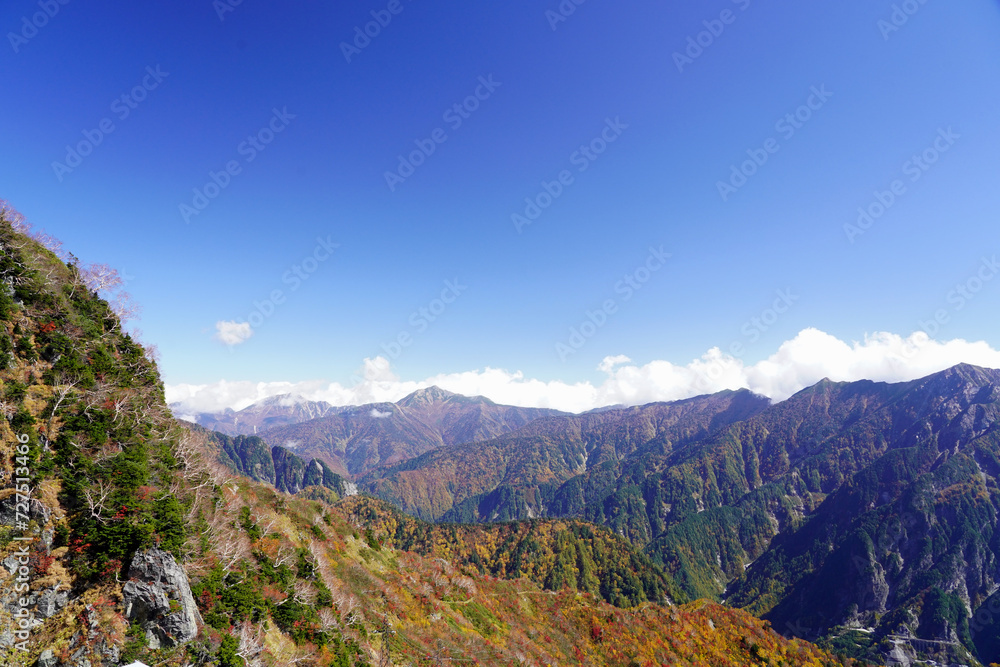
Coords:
pixel 861 514
pixel 257 576
pixel 554 554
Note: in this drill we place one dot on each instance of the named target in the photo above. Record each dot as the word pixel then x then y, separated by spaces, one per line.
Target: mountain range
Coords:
pixel 274 411
pixel 355 439
pixel 127 536
pixel 861 515
pixel 859 520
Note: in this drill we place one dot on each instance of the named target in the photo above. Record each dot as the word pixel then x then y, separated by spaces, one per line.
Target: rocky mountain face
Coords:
pixel 354 440
pixel 158 597
pixel 123 538
pixel 250 456
pixel 863 513
pixel 556 466
pixel 271 412
pixel 901 555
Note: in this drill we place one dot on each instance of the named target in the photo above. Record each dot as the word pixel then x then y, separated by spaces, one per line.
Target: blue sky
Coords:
pixel 201 78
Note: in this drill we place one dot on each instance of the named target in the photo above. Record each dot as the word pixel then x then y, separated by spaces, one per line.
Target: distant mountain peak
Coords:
pixel 287 401
pixel 432 394
pixel 963 378
pixel 970 372
pixel 283 399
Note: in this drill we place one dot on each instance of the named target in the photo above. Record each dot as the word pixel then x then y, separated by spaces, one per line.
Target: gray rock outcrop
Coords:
pixel 37 512
pixel 158 596
pixel 50 601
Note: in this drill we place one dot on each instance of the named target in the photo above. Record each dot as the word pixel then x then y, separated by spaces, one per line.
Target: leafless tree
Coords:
pixel 304 656
pixel 62 391
pixel 251 645
pixel 284 556
pixel 96 496
pixel 304 592
pixel 98 277
pixel 328 620
pixel 263 519
pixel 232 551
pixel 466 584
pixel 108 451
pixel 346 604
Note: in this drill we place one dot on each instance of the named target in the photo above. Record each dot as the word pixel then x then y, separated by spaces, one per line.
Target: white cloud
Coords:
pixel 798 363
pixel 232 333
pixel 380 415
pixel 610 362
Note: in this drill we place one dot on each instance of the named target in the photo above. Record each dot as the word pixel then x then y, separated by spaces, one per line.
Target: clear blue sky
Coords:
pixel 323 175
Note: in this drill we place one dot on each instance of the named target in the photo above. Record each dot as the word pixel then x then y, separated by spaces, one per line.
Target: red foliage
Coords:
pixel 206 600
pixel 77 546
pixel 111 567
pixel 42 562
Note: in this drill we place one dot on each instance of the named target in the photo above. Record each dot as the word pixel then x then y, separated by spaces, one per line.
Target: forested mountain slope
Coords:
pixel 137 544
pixel 852 504
pixel 525 473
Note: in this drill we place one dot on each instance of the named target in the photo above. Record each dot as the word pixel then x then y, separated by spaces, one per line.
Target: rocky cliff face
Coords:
pixel 157 595
pixel 250 456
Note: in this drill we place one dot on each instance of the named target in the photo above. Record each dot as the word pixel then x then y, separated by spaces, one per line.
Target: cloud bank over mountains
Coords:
pixel 798 363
